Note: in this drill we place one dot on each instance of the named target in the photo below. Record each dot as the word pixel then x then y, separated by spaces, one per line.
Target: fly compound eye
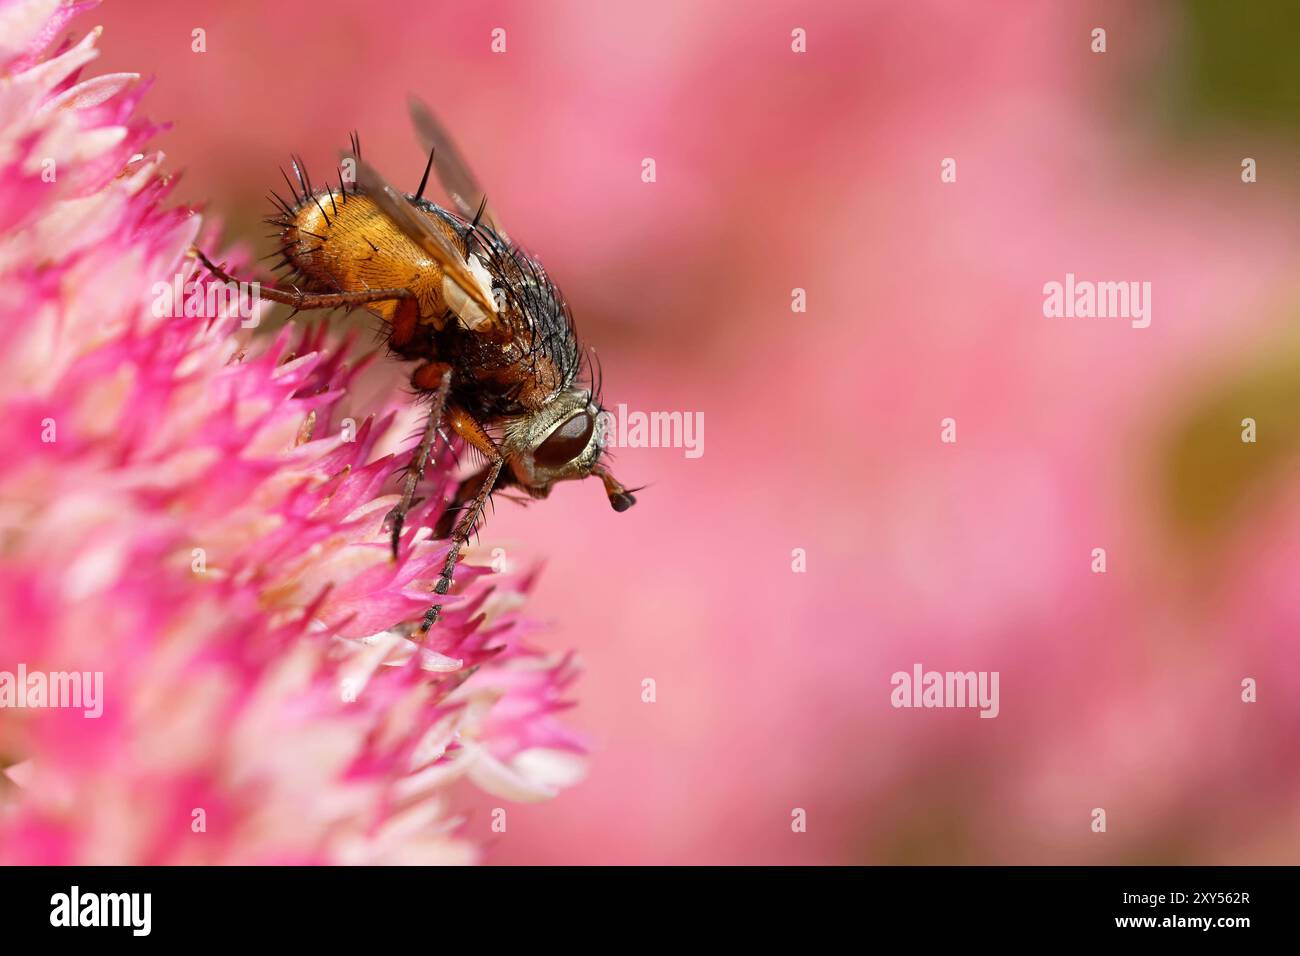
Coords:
pixel 567 442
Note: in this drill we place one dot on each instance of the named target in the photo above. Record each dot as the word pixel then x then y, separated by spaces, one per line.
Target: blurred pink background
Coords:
pixel 820 171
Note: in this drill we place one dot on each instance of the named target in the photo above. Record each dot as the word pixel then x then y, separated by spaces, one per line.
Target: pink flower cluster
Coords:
pixel 191 515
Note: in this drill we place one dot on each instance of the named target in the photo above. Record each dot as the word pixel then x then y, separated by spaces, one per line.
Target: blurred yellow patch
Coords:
pixel 1210 470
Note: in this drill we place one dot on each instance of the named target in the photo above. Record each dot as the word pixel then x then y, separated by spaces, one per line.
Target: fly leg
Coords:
pixel 464 492
pixel 472 432
pixel 309 300
pixel 441 373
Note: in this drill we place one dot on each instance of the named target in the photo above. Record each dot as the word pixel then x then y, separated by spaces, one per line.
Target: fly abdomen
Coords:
pixel 340 241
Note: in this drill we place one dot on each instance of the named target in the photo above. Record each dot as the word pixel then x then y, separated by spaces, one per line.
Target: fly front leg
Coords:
pixel 465 491
pixel 432 372
pixel 469 429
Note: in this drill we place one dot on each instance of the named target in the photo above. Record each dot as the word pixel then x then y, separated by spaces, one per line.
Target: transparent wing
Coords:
pixel 421 231
pixel 453 172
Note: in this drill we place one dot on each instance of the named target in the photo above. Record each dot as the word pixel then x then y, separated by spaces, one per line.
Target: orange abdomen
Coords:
pixel 345 244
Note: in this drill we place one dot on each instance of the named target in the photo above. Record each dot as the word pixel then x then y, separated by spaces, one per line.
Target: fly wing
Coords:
pixel 457 179
pixel 420 230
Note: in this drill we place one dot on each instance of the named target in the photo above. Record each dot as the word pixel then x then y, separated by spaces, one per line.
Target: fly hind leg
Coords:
pixel 308 300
